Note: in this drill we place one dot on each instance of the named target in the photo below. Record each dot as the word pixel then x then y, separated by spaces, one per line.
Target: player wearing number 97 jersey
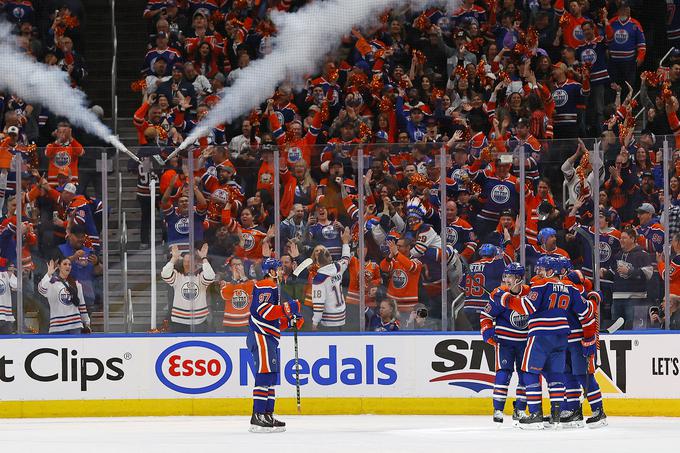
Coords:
pixel 327 297
pixel 547 305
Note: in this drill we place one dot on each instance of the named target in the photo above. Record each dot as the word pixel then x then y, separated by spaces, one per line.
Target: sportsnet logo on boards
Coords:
pixel 194 367
pixel 621 36
pixel 560 97
pixel 500 194
pixel 465 363
pixel 62 159
pixel 239 300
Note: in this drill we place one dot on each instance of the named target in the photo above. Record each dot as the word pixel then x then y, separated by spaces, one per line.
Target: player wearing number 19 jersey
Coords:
pixel 547 305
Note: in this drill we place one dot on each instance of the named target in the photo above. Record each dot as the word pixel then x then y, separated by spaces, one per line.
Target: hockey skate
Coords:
pixel 518 415
pixel 278 425
pixel 572 419
pixel 532 421
pixel 598 419
pixel 259 423
pixel 554 421
pixel 498 417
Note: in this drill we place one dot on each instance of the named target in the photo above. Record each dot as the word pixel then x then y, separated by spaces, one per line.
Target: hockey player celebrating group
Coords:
pixel 545 329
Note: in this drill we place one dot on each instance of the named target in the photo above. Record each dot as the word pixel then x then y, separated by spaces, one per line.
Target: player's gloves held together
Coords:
pixel 292 315
pixel 489 336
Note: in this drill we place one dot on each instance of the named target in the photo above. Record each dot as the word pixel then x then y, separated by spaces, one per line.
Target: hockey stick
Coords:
pixel 297 365
pixel 616 326
pixel 302 266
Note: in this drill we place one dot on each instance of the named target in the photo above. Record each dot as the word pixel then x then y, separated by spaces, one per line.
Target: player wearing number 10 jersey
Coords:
pixel 327 297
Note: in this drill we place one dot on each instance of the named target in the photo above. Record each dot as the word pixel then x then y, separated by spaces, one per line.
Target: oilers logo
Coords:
pixel 578 33
pixel 399 279
pixel 3 287
pixel 220 196
pixel 621 36
pixel 248 241
pixel 190 291
pixel 500 194
pixel 560 97
pixel 605 251
pixel 19 13
pixel 519 321
pixel 589 56
pixel 62 159
pixel 65 296
pixel 294 154
pixel 457 175
pixel 329 232
pixel 266 178
pixel 279 115
pixel 239 300
pixel 451 235
pixel 182 225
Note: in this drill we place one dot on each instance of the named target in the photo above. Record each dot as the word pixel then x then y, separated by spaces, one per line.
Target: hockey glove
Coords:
pixel 589 345
pixel 291 309
pixel 489 336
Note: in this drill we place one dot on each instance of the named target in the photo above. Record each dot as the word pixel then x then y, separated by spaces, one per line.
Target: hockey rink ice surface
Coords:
pixel 352 433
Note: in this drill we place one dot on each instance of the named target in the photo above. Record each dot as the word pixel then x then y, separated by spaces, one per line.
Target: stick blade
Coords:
pixel 302 266
pixel 616 326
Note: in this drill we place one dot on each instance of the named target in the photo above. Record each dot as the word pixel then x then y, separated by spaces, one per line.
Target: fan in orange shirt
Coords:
pixel 63 153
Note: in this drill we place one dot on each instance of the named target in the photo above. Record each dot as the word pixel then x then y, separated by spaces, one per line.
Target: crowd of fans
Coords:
pixel 480 84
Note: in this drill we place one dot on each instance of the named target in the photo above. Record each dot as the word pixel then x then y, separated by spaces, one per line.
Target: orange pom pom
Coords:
pixel 419 57
pixel 564 20
pixel 364 131
pixel 422 23
pixel 138 85
pixel 386 104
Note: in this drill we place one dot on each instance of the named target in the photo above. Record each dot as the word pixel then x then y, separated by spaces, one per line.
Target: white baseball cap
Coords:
pixel 13 130
pixel 70 187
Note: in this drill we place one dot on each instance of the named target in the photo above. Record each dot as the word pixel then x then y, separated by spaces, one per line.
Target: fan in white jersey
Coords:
pixel 327 297
pixel 189 304
pixel 68 314
pixel 8 283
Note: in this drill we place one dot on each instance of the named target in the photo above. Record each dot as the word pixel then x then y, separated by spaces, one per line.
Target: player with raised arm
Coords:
pixel 579 368
pixel 547 305
pixel 506 330
pixel 268 316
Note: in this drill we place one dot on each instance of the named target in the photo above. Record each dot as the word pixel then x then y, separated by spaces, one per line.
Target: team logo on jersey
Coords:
pixel 3 287
pixel 294 154
pixel 18 12
pixel 578 33
pixel 62 159
pixel 182 225
pixel 190 291
pixel 220 196
pixel 457 175
pixel 239 300
pixel 656 238
pixel 65 296
pixel 519 321
pixel 621 36
pixel 605 251
pixel 212 171
pixel 500 194
pixel 589 56
pixel 248 241
pixel 279 115
pixel 266 178
pixel 329 232
pixel 399 279
pixel 451 235
pixel 560 97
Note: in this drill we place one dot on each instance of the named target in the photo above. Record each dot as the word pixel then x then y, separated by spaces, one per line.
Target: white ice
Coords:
pixel 326 434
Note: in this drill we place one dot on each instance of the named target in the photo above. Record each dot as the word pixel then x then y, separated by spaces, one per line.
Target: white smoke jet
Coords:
pixel 48 86
pixel 303 40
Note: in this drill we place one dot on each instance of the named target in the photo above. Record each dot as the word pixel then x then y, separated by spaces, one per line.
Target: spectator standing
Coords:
pixel 68 313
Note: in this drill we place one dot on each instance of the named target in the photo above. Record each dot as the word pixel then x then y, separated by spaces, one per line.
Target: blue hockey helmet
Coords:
pixel 563 264
pixel 544 234
pixel 514 268
pixel 543 262
pixel 488 250
pixel 270 264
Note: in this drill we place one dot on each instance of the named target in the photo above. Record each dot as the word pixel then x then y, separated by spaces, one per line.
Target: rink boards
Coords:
pixel 402 373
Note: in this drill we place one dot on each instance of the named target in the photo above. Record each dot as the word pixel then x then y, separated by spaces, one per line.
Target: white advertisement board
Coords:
pixel 351 366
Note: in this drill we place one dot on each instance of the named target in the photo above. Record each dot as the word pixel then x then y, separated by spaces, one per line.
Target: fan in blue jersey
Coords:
pixel 507 331
pixel 547 305
pixel 268 316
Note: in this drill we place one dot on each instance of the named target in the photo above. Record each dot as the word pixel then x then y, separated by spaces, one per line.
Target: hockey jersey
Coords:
pixel 371 278
pixel 178 226
pixel 482 274
pixel 8 283
pixel 237 298
pixel 628 40
pixel 326 235
pixel 594 53
pixel 64 314
pixel 673 21
pixel 189 304
pixel 404 280
pixel 266 310
pixel 460 236
pixel 569 98
pixel 327 298
pixel 63 156
pixel 498 194
pixel 509 325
